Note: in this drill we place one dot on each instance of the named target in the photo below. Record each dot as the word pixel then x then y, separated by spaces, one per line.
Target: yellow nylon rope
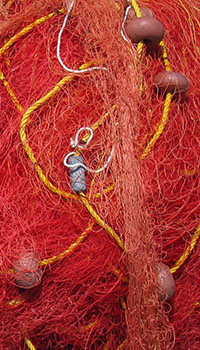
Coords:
pixel 165 57
pixel 98 123
pixel 161 127
pixel 7 5
pixel 138 14
pixel 121 346
pixel 86 328
pixel 107 344
pixel 47 183
pixel 166 109
pixel 26 30
pixel 10 42
pixel 23 137
pixel 100 221
pixel 168 96
pixel 11 93
pixel 136 8
pixel 69 250
pixel 15 302
pixel 29 344
pixel 106 190
pixel 188 251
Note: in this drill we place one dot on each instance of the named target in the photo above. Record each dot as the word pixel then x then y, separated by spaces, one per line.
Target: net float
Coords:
pixel 77 174
pixel 146 29
pixel 27 272
pixel 166 282
pixel 172 82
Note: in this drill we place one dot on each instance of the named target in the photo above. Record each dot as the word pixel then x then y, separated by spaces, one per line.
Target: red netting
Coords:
pixel 153 205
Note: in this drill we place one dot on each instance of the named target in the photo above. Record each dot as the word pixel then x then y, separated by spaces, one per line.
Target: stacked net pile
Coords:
pixel 95 284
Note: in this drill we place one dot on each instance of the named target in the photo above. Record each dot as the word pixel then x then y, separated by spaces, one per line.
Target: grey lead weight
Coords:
pixel 77 174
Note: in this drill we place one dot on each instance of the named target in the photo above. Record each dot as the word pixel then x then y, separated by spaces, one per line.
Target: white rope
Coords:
pixel 123 33
pixel 71 166
pixel 75 143
pixel 75 71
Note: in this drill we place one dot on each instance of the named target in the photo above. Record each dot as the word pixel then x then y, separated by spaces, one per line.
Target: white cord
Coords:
pixel 71 166
pixel 75 71
pixel 123 30
pixel 75 143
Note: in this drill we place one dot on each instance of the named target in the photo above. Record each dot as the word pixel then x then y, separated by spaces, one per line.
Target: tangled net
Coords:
pixel 98 251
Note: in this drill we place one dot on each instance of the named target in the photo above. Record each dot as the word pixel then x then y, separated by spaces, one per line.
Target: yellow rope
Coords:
pixel 86 328
pixel 25 30
pixel 136 8
pixel 39 103
pixel 107 344
pixel 71 248
pixel 15 302
pixel 27 148
pixel 100 221
pixel 166 108
pixel 123 303
pixel 10 42
pixel 160 130
pixel 138 14
pixel 160 127
pixel 165 57
pixel 89 326
pixel 168 96
pixel 23 136
pixel 188 251
pixel 121 346
pixel 29 344
pixel 116 272
pixel 48 184
pixel 97 124
pixel 53 188
pixel 11 93
pixel 7 5
pixel 55 258
pixel 106 190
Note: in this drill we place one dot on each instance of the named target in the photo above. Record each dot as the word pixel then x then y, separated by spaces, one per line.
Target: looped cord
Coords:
pixel 75 143
pixel 74 71
pixel 71 166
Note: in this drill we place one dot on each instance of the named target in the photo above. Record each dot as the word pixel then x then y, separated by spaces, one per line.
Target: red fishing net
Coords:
pixel 80 270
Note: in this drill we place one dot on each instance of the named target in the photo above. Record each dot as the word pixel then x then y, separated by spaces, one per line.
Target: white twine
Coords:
pixel 124 20
pixel 75 71
pixel 75 143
